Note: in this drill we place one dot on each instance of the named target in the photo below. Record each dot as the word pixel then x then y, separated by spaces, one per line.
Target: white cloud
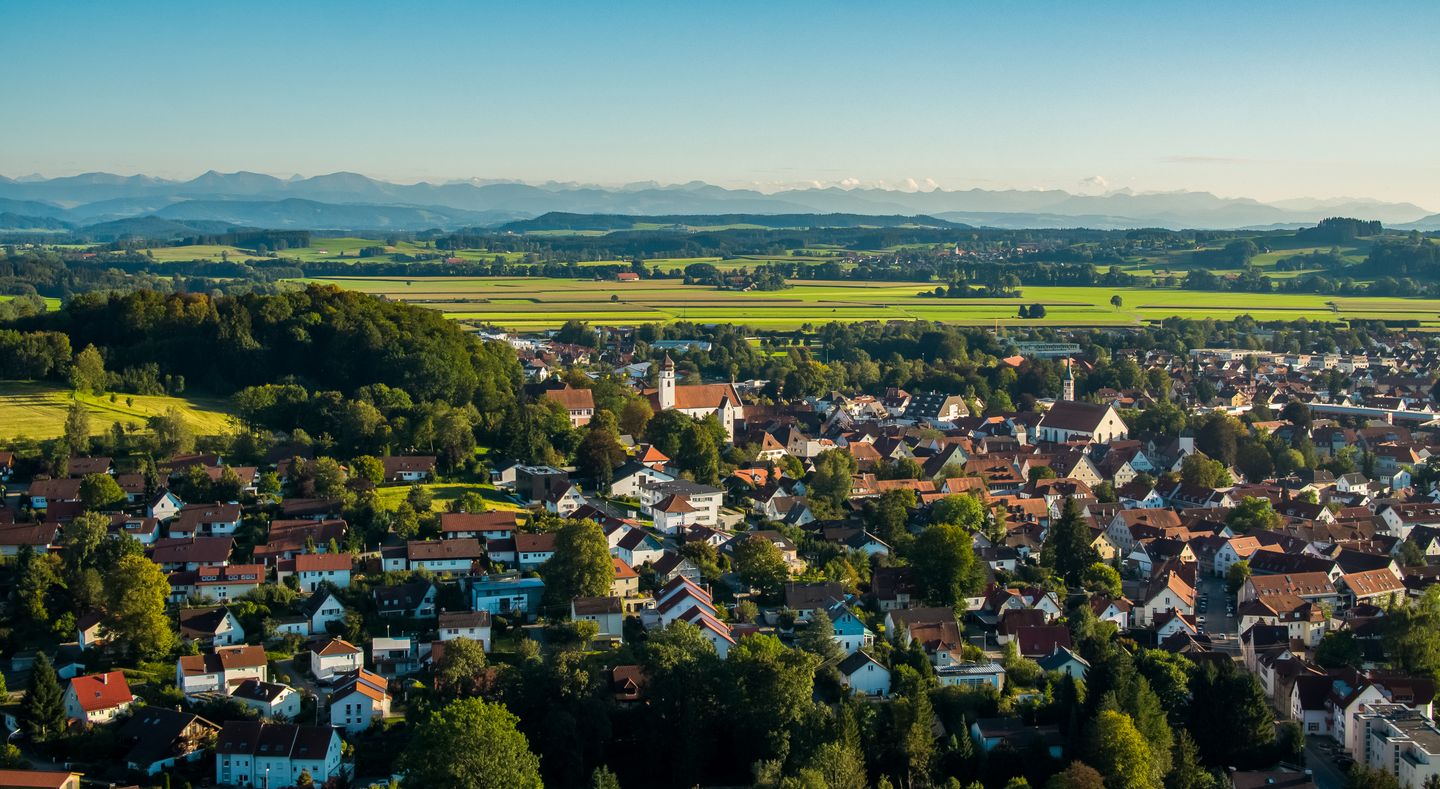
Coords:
pixel 1095 183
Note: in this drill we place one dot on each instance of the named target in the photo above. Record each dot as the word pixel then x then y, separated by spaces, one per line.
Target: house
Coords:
pixel 330 659
pixel 579 404
pixel 39 779
pixel 627 685
pixel 1169 590
pixel 1066 662
pixel 703 501
pixel 270 699
pixel 637 548
pixel 1037 641
pixel 394 656
pixel 1377 587
pixel 992 733
pixel 221 669
pixel 564 501
pixel 313 569
pixel 631 477
pixel 290 538
pixel 806 598
pixel 44 492
pixel 850 633
pixel 192 553
pixel 98 698
pixel 1070 420
pixel 474 625
pixel 163 506
pixel 442 556
pixel 970 675
pixel 533 550
pixel 217 583
pixel 360 698
pixel 252 753
pixel 627 581
pixel 864 675
pixel 85 466
pixel 206 520
pixel 606 612
pixel 408 468
pixel 213 626
pixel 39 537
pixel 497 525
pixel 158 738
pixel 318 612
pixel 507 595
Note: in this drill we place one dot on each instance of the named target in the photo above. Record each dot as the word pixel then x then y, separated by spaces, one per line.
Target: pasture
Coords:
pixel 442 493
pixel 526 303
pixel 37 410
pixel 51 304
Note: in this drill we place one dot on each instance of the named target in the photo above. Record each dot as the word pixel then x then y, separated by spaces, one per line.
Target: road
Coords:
pixel 1318 760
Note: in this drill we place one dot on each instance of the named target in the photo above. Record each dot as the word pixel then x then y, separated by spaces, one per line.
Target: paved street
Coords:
pixel 1321 763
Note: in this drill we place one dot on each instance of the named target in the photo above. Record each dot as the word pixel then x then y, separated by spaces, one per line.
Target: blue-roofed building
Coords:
pixel 850 633
pixel 507 595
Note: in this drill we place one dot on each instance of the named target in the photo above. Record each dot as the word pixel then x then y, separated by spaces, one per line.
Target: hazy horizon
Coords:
pixel 1322 101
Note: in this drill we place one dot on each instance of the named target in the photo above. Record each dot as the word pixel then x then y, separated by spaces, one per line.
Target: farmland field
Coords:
pixel 37 410
pixel 442 493
pixel 536 303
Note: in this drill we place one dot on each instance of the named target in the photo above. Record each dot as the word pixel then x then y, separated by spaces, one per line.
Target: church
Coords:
pixel 698 401
pixel 1071 420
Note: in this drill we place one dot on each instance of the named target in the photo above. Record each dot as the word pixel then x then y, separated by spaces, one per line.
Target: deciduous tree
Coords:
pixel 470 744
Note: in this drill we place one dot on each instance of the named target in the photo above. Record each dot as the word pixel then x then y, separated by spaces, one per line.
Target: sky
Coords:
pixel 1269 100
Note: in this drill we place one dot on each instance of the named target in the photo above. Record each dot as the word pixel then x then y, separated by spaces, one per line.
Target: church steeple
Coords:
pixel 1067 387
pixel 667 384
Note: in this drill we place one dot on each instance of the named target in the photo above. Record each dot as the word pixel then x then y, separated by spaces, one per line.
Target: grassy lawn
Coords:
pixel 525 303
pixel 37 410
pixel 442 493
pixel 51 304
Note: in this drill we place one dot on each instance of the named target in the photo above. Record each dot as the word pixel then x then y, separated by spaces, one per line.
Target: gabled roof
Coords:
pixel 856 661
pixel 322 562
pixel 101 691
pixel 334 647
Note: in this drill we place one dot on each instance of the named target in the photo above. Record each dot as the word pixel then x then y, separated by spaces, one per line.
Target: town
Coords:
pixel 1197 566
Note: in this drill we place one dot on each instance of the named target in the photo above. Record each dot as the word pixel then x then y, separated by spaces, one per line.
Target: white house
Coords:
pixel 969 675
pixel 864 675
pixel 98 698
pixel 474 625
pixel 251 753
pixel 271 700
pixel 362 697
pixel 333 658
pixel 221 670
pixel 313 569
pixel 703 500
pixel 608 613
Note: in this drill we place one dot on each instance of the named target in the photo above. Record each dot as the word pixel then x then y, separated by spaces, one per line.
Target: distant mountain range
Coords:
pixel 348 201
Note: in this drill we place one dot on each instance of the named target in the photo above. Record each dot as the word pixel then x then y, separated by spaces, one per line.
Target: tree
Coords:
pixel 600 452
pixel 966 511
pixel 1078 775
pixel 1120 753
pixel 1101 578
pixel 581 565
pixel 470 744
pixel 944 563
pixel 772 688
pixel 1199 470
pixel 172 433
pixel 44 711
pixel 1116 301
pixel 76 439
pixel 1067 549
pixel 88 372
pixel 1412 635
pixel 368 469
pixel 1410 555
pixel 100 491
pixel 759 564
pixel 458 671
pixel 1237 575
pixel 1252 514
pixel 635 415
pixel 1338 649
pixel 913 723
pixel 134 610
pixel 839 765
pixel 1230 717
pixel 818 637
pixel 405 522
pixel 830 484
pixel 1290 742
pixel 1361 777
pixel 1186 771
pixel 603 778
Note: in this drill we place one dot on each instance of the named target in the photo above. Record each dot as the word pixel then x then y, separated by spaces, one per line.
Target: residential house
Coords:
pixel 507 595
pixel 313 569
pixel 608 613
pixel 221 669
pixel 408 468
pixel 98 698
pixel 864 675
pixel 474 625
pixel 211 626
pixel 359 699
pixel 414 600
pixel 272 700
pixel 330 659
pixel 158 738
pixel 256 754
pixel 533 550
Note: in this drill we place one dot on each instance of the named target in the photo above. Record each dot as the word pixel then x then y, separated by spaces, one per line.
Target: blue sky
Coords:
pixel 1284 100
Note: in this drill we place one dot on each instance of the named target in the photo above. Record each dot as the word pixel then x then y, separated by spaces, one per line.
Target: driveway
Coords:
pixel 1222 627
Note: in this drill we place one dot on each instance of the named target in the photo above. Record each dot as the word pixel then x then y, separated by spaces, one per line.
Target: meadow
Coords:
pixel 523 303
pixel 50 303
pixel 37 410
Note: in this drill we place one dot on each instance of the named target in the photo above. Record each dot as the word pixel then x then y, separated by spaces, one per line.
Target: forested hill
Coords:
pixel 560 220
pixel 322 338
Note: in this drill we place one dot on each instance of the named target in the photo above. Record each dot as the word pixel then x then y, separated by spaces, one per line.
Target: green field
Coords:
pixel 37 410
pixel 536 303
pixel 443 493
pixel 50 303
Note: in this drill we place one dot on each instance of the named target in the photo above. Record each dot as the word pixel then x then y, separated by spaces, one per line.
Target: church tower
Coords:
pixel 1067 387
pixel 667 384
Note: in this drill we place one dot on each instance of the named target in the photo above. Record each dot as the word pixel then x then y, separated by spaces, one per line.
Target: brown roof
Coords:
pixel 34 779
pixel 597 605
pixel 101 691
pixel 697 396
pixel 1074 415
pixel 477 521
pixel 535 543
pixel 464 619
pixel 336 646
pixel 321 562
pixel 433 550
pixel 573 399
